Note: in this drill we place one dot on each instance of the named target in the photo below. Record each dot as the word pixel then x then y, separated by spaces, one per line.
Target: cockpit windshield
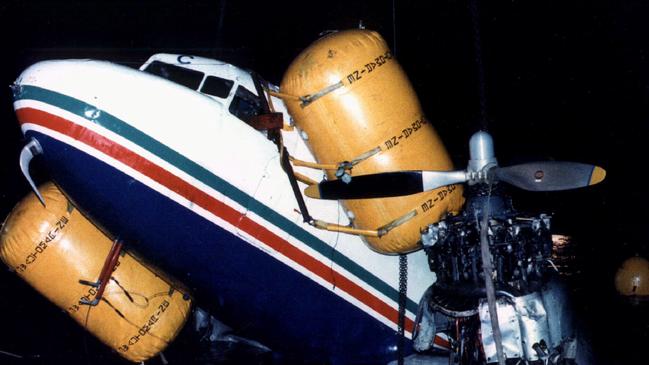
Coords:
pixel 232 87
pixel 183 76
pixel 245 104
pixel 217 86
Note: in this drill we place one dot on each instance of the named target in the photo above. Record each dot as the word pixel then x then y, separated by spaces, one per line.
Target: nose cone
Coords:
pixel 38 107
pixel 42 88
pixel 52 102
pixel 38 72
pixel 57 75
pixel 481 150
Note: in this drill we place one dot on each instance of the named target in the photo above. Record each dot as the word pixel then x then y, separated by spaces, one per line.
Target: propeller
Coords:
pixel 482 168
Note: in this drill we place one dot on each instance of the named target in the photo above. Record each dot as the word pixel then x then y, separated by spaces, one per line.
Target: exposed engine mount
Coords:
pixel 528 309
pixel 520 245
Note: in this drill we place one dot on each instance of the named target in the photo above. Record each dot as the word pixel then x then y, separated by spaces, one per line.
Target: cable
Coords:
pixel 489 284
pixel 394 28
pixel 10 354
pixel 477 46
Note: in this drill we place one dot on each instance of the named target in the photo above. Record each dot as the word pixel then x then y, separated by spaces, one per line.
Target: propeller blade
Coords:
pixel 550 175
pixel 384 185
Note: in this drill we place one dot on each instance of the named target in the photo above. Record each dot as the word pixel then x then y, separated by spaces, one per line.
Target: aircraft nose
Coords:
pixel 34 105
pixel 32 148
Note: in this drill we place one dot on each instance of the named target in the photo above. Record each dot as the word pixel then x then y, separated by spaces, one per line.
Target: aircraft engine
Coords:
pixel 353 103
pixel 54 247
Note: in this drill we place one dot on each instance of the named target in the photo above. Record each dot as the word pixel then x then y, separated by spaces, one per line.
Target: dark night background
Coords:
pixel 564 80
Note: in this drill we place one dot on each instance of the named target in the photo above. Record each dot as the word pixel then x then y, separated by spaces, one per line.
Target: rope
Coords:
pixel 489 284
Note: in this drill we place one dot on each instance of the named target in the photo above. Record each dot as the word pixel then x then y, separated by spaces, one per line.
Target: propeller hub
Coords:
pixel 481 150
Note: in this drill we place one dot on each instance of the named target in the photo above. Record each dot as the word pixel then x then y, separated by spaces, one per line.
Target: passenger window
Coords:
pixel 217 86
pixel 245 104
pixel 180 75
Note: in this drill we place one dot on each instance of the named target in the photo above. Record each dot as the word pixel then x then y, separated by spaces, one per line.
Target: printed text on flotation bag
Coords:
pixel 369 67
pixel 405 133
pixel 146 328
pixel 441 195
pixel 42 245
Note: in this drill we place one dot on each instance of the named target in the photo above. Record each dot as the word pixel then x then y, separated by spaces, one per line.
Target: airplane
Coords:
pixel 199 166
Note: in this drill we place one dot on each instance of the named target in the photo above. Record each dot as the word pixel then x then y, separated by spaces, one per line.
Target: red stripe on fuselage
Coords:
pixel 439 341
pixel 207 202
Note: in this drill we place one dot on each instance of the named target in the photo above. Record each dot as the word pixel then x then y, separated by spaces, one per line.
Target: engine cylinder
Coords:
pixel 54 247
pixel 355 100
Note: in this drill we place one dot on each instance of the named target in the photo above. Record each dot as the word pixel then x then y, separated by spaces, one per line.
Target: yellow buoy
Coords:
pixel 352 101
pixel 54 247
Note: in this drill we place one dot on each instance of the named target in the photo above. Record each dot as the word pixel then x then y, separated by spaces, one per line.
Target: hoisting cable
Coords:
pixel 403 259
pixel 488 280
pixel 394 28
pixel 477 46
pixel 484 227
pixel 11 354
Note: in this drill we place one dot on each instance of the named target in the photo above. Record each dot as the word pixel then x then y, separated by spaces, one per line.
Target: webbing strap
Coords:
pixel 288 169
pixel 397 222
pixel 310 98
pixel 338 165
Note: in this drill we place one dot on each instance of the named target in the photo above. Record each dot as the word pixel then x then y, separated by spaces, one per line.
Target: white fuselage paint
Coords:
pixel 205 132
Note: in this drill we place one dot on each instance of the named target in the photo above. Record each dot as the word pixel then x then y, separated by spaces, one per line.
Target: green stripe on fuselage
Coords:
pixel 115 125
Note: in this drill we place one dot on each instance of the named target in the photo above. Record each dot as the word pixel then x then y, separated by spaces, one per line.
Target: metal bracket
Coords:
pixel 343 171
pixel 104 276
pixel 433 233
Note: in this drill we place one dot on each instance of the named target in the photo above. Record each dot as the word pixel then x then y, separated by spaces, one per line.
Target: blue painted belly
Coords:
pixel 254 293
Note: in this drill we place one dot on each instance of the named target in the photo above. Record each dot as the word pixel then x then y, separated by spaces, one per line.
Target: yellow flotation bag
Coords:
pixel 351 99
pixel 54 247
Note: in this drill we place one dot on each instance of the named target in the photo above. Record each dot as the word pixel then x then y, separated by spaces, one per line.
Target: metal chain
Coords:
pixel 403 296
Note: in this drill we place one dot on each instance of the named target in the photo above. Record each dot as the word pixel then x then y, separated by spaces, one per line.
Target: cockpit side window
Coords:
pixel 217 86
pixel 183 76
pixel 245 104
